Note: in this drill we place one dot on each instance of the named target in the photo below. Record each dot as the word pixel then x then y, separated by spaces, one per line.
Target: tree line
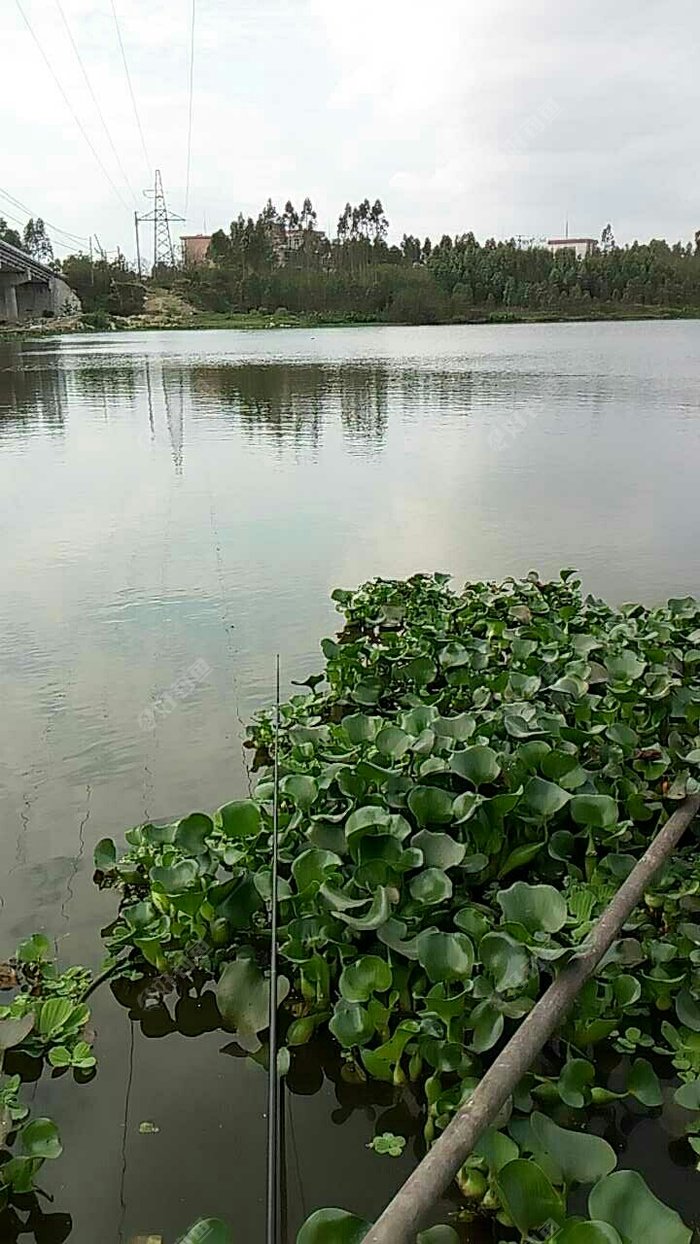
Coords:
pixel 280 259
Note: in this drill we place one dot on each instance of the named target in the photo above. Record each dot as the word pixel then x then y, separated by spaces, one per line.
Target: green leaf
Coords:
pixel 240 819
pixel 333 1226
pixel 624 1200
pixel 360 728
pixel 36 949
pixel 625 667
pixel 312 866
pixel 643 1083
pixel 439 850
pixel 243 998
pixel 367 975
pixel 478 764
pixel 445 956
pixel 537 907
pixel 301 789
pixel 105 855
pixel 393 742
pixel 430 887
pixel 438 1235
pixel 507 961
pixel 579 1157
pixel 14 1031
pixel 431 805
pixel 488 1027
pixel 421 670
pixel 40 1139
pixel 351 1024
pixel 496 1149
pixel 389 1144
pixel 51 1016
pixel 688 1095
pixel 520 856
pixel 576 1077
pixel 59 1056
pixel 377 914
pixel 594 811
pixel 176 878
pixel 688 1010
pixel 544 798
pixel 207 1231
pixel 576 1232
pixel 193 831
pixel 527 1196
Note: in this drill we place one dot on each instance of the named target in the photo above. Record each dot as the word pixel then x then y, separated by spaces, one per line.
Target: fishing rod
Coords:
pixel 273 1079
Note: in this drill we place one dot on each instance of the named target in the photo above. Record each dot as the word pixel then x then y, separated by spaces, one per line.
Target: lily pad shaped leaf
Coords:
pixel 430 887
pixel 438 1235
pixel 540 908
pixel 579 1156
pixel 688 1095
pixel 301 789
pixel 243 998
pixel 207 1231
pixel 430 805
pixel 576 1232
pixel 595 811
pixel 392 741
pixel 40 1139
pixel 624 1200
pixel 240 819
pixel 544 798
pixel 507 961
pixel 643 1083
pixel 377 914
pixel 445 956
pixel 478 764
pixel 439 850
pixel 333 1226
pixel 367 975
pixel 527 1195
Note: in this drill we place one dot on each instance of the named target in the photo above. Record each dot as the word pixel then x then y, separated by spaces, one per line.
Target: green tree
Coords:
pixel 37 241
pixel 10 235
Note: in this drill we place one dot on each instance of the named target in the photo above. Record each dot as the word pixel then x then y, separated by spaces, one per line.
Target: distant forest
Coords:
pixel 281 261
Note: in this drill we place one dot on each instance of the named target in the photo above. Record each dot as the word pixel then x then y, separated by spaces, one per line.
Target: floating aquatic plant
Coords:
pixel 462 792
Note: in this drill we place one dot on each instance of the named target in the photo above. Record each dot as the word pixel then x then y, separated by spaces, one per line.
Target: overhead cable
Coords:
pixel 69 105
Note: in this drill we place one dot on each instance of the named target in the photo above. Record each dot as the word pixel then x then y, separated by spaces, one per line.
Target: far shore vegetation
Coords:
pixel 280 270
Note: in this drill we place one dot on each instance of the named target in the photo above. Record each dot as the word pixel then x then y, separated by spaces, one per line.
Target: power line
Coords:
pixel 68 104
pixel 95 100
pixel 131 89
pixel 189 121
pixel 16 221
pixel 72 237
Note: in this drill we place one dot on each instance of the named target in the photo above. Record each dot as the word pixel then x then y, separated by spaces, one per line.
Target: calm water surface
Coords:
pixel 188 500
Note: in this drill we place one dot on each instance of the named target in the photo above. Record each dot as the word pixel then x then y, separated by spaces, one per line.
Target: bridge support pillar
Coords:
pixel 8 299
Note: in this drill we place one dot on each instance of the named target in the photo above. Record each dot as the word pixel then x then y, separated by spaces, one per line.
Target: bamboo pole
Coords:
pixel 405 1214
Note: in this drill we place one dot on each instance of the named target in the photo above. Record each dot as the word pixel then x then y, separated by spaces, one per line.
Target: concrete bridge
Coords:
pixel 28 289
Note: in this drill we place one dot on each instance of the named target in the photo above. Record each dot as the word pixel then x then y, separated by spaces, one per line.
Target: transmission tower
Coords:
pixel 160 217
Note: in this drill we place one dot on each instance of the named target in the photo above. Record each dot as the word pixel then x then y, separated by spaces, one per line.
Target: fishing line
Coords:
pixel 273 1082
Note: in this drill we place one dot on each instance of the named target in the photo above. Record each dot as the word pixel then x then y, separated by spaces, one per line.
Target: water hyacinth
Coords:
pixel 462 792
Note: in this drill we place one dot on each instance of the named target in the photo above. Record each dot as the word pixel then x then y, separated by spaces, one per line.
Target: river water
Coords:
pixel 180 505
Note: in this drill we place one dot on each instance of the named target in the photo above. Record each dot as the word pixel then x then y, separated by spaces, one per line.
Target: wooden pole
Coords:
pixel 405 1214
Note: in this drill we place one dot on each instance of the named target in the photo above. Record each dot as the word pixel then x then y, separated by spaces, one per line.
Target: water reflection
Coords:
pixel 31 388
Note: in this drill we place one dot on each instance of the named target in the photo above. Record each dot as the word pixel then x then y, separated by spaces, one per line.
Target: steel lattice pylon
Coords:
pixel 163 253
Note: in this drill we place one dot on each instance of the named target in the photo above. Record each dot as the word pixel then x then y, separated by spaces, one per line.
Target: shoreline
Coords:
pixel 253 320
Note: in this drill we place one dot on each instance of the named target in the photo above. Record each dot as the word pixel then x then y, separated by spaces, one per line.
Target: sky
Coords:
pixel 504 117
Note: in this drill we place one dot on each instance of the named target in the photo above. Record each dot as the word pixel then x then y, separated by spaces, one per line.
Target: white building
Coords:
pixel 582 247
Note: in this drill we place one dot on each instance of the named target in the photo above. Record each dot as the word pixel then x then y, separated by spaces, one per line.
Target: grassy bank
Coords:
pixel 191 319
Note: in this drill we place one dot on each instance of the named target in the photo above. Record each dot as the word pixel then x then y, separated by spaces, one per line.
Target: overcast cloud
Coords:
pixel 500 116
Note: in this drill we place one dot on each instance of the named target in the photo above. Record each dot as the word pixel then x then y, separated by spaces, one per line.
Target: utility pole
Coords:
pixel 160 217
pixel 138 244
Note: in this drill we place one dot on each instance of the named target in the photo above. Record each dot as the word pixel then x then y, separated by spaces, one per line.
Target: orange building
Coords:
pixel 195 248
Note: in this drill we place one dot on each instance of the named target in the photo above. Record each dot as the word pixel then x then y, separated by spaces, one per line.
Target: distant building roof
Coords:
pixel 572 241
